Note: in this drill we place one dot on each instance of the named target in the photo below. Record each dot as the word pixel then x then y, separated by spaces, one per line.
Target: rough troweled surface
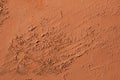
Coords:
pixel 60 40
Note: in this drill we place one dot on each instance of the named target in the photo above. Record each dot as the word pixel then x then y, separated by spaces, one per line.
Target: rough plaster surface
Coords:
pixel 59 39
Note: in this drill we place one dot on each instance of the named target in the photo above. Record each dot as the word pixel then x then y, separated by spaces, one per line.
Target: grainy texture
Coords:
pixel 59 39
pixel 3 11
